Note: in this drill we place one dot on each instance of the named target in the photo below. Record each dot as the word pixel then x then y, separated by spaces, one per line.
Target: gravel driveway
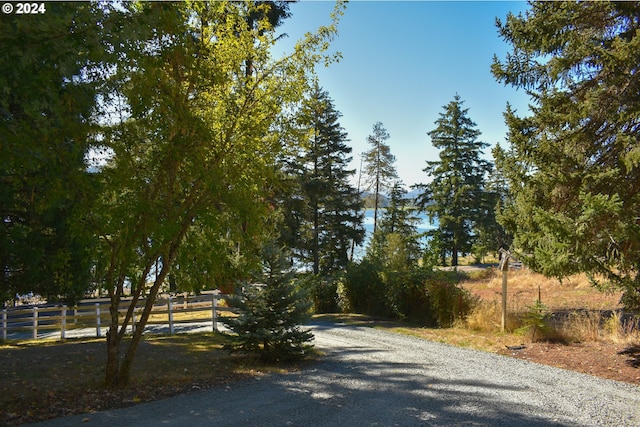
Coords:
pixel 371 377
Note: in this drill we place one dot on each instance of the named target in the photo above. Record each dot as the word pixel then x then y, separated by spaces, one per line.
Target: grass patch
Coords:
pixel 46 379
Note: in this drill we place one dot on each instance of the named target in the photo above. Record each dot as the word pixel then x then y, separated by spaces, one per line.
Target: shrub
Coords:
pixel 407 296
pixel 323 292
pixel 418 295
pixel 449 301
pixel 536 323
pixel 363 291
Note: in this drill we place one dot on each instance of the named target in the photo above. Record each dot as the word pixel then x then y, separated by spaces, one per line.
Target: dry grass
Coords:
pixel 574 292
pixel 572 310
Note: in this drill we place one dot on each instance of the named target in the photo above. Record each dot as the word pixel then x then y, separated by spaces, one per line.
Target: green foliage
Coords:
pixel 449 301
pixel 420 295
pixel 271 314
pixel 406 295
pixel 194 115
pixel 322 210
pixel 46 107
pixel 323 291
pixel 456 194
pixel 572 164
pixel 378 170
pixel 362 289
pixel 536 322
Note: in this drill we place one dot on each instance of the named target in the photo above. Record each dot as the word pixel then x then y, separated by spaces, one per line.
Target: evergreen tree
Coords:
pixel 46 111
pixel 327 213
pixel 379 169
pixel 396 241
pixel 271 313
pixel 573 165
pixel 489 235
pixel 456 193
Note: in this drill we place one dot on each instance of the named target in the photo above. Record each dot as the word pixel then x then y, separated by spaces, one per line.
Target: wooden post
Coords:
pixel 214 314
pixel 98 333
pixel 4 324
pixel 63 322
pixel 504 267
pixel 170 314
pixel 35 323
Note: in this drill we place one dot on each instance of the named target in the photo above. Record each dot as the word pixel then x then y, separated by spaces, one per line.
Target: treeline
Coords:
pixel 150 145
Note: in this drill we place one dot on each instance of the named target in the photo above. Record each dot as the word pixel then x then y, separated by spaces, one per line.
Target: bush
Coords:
pixel 323 292
pixel 449 301
pixel 407 297
pixel 536 323
pixel 363 291
pixel 418 295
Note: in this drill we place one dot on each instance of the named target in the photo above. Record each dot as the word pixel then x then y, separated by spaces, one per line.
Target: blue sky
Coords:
pixel 402 61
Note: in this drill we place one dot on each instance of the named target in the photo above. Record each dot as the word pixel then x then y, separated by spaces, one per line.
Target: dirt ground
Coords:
pixel 604 357
pixel 601 359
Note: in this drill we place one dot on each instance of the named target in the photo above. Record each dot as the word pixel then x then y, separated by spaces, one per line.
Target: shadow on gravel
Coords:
pixel 383 393
pixel 354 385
pixel 405 394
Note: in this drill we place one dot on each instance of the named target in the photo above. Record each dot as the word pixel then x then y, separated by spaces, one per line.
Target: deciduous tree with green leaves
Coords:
pixel 193 139
pixel 456 193
pixel 573 164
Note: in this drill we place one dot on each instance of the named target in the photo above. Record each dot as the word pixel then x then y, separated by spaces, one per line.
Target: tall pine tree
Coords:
pixel 573 164
pixel 455 194
pixel 379 169
pixel 328 211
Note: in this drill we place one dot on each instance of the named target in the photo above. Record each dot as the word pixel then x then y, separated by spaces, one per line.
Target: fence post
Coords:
pixel 35 323
pixel 170 312
pixel 4 324
pixel 63 321
pixel 98 333
pixel 214 312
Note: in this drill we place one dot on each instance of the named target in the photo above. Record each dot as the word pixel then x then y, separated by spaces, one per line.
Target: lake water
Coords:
pixel 423 226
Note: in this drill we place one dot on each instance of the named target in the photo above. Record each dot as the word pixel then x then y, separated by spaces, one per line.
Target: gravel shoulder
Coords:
pixel 373 377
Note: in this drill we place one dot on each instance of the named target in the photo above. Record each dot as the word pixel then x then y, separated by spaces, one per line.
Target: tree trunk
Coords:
pixel 375 207
pixel 127 361
pixel 113 357
pixel 316 240
pixel 113 338
pixel 454 255
pixel 118 371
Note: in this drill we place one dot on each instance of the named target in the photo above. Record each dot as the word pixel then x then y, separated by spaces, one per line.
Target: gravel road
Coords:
pixel 371 377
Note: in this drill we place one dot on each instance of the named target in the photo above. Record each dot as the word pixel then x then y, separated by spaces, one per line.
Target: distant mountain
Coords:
pixel 369 200
pixel 413 194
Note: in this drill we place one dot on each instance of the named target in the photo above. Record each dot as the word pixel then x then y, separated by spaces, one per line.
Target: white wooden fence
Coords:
pixel 93 315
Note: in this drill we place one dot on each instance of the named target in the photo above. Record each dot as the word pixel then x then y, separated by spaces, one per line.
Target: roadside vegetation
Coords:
pixel 152 147
pixel 46 379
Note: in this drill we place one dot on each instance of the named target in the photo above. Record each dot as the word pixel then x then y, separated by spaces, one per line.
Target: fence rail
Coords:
pixel 40 321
